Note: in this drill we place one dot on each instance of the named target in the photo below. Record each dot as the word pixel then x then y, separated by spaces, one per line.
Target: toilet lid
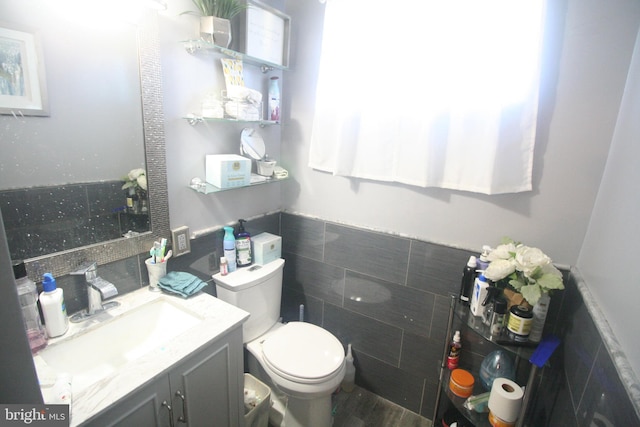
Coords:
pixel 304 351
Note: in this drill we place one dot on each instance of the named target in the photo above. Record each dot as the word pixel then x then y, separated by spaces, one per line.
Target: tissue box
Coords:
pixel 267 247
pixel 228 170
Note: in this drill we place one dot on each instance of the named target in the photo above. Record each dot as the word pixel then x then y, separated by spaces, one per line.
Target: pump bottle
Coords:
pixel 229 246
pixel 483 261
pixel 243 246
pixel 53 309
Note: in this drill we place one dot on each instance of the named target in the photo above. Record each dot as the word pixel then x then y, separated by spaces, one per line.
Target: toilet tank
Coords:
pixel 256 289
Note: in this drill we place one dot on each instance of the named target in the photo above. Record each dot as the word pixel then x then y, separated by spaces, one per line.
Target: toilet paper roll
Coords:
pixel 505 399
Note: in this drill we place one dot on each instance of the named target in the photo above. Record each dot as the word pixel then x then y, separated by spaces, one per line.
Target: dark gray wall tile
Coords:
pixel 376 254
pixel 314 278
pixel 418 354
pixel 436 268
pixel 394 384
pixel 367 335
pixel 605 400
pixel 582 341
pixel 290 307
pixel 303 236
pixel 394 304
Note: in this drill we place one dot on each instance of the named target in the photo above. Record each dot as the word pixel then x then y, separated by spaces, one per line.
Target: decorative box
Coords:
pixel 267 247
pixel 227 170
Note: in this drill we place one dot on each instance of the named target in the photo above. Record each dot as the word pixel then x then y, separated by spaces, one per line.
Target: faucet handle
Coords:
pixel 85 268
pixel 106 289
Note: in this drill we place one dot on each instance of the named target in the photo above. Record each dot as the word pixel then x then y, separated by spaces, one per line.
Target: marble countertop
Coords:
pixel 217 317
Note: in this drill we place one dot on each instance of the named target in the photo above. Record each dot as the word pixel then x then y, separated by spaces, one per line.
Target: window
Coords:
pixel 430 93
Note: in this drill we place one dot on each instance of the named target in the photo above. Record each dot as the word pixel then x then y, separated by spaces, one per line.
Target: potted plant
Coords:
pixel 215 16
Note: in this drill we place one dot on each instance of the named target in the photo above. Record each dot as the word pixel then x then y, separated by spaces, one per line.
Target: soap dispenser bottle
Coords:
pixel 229 246
pixel 348 383
pixel 53 309
pixel 243 245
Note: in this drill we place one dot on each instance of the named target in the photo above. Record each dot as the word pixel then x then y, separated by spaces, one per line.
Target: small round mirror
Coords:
pixel 252 144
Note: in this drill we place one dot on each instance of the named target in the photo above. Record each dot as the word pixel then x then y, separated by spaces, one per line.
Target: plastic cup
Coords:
pixel 156 272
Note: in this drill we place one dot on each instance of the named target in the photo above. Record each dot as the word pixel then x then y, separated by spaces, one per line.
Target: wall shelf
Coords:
pixel 206 188
pixel 194 119
pixel 195 46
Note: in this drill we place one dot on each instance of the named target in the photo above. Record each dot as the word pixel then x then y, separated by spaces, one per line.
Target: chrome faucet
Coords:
pixel 98 290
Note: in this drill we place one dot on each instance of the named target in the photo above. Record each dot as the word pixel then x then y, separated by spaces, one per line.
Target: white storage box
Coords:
pixel 267 247
pixel 227 170
pixel 257 402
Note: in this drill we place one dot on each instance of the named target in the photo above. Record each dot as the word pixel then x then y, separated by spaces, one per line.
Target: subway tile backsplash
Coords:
pixel 389 296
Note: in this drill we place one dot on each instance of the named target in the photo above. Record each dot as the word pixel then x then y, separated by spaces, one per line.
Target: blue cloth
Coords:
pixel 181 283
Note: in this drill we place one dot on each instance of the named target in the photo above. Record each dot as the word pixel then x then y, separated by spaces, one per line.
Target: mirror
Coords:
pixel 60 175
pixel 137 97
pixel 252 144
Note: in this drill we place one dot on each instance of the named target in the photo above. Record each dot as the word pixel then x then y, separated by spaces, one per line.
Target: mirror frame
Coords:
pixel 64 262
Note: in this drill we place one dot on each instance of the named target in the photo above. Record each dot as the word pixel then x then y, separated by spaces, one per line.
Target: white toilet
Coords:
pixel 301 362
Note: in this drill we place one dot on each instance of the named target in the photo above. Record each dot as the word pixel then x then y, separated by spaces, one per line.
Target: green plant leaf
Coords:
pixel 551 281
pixel 531 293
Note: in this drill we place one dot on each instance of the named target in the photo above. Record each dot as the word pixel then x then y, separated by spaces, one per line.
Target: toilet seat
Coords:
pixel 303 353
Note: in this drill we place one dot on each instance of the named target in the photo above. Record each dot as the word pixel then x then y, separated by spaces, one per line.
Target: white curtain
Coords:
pixel 429 93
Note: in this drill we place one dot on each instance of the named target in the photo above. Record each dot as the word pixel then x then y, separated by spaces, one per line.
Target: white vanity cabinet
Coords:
pixel 203 389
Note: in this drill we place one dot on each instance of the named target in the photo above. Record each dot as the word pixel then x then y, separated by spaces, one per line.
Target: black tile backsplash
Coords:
pixel 394 312
pixel 40 221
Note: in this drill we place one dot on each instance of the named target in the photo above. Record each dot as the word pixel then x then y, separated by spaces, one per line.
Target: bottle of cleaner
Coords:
pixel 454 351
pixel 28 297
pixel 348 383
pixel 468 277
pixel 229 246
pixel 243 246
pixel 480 292
pixel 53 309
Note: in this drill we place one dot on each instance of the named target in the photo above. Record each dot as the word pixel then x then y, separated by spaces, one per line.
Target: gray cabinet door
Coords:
pixel 142 408
pixel 207 387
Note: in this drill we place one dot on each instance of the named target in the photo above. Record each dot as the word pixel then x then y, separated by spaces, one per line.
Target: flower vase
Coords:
pixel 215 30
pixel 540 311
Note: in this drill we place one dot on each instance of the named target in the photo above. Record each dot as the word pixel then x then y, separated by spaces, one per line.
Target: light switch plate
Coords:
pixel 180 239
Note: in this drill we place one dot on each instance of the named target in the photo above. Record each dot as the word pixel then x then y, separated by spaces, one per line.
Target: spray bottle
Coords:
pixel 243 246
pixel 468 276
pixel 454 351
pixel 348 383
pixel 229 246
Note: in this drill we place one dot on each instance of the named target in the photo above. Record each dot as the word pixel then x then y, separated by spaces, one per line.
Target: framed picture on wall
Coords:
pixel 264 34
pixel 23 89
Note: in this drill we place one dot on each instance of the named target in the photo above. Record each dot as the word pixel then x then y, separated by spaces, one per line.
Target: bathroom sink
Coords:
pixel 99 352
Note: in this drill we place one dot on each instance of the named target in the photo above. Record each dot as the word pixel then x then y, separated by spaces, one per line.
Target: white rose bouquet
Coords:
pixel 136 179
pixel 528 270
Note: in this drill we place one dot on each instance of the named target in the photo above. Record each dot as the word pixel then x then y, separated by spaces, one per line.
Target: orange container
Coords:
pixel 497 422
pixel 461 383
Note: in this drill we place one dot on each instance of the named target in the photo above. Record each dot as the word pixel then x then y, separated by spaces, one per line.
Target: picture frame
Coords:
pixel 264 34
pixel 23 89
